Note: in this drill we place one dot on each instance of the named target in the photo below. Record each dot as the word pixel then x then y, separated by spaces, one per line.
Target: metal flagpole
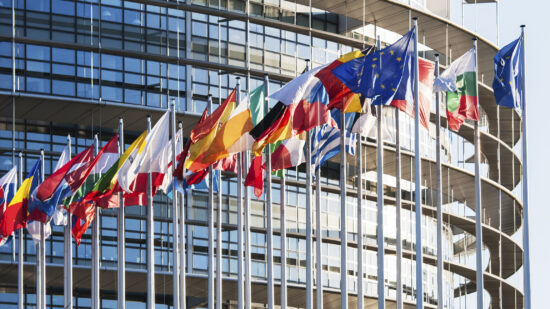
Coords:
pixel 20 257
pixel 175 243
pixel 248 262
pixel 121 241
pixel 240 290
pixel 219 272
pixel 95 248
pixel 526 258
pixel 183 286
pixel 417 179
pixel 151 237
pixel 318 233
pixel 269 210
pixel 309 253
pixel 211 283
pixel 398 241
pixel 68 242
pixel 479 235
pixel 439 196
pixel 360 232
pixel 380 203
pixel 41 257
pixel 343 217
pixel 283 243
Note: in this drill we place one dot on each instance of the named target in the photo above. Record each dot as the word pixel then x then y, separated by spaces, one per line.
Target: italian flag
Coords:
pixel 459 83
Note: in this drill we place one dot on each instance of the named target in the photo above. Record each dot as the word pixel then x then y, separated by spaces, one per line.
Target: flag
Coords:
pixel 255 178
pixel 289 153
pixel 508 74
pixel 340 95
pixel 179 172
pixel 15 215
pixel 83 210
pixel 8 185
pixel 206 132
pixel 228 164
pixel 233 136
pixel 326 144
pixel 404 99
pixel 167 154
pixel 459 81
pixel 378 76
pixel 195 181
pixel 364 122
pixel 152 156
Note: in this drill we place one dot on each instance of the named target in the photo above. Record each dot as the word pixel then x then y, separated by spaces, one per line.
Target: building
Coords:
pixel 75 67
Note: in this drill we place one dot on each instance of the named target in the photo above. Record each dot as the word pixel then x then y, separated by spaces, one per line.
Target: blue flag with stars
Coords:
pixel 378 76
pixel 508 74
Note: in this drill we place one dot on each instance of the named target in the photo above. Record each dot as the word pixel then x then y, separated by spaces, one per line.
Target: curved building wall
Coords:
pixel 105 59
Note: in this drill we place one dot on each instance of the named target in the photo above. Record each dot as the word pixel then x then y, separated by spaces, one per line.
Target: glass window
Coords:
pixel 62 7
pixel 237 36
pixel 273 44
pixel 132 17
pixel 41 6
pixel 111 14
pixel 38 85
pixel 63 87
pixel 38 52
pixel 111 62
pixel 199 29
pixel 63 55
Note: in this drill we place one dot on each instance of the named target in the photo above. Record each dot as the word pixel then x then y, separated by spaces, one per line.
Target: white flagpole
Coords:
pixel 219 272
pixel 175 243
pixel 526 258
pixel 269 210
pixel 20 257
pixel 318 233
pixel 68 242
pixel 398 240
pixel 240 290
pixel 95 249
pixel 360 232
pixel 380 204
pixel 248 257
pixel 309 249
pixel 479 231
pixel 41 256
pixel 151 237
pixel 283 243
pixel 211 282
pixel 417 179
pixel 439 196
pixel 182 253
pixel 121 238
pixel 343 217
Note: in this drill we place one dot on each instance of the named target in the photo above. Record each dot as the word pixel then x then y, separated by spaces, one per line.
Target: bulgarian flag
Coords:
pixel 83 211
pixel 459 82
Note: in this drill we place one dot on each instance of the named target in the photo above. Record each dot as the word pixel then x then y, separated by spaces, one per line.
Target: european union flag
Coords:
pixel 508 74
pixel 378 76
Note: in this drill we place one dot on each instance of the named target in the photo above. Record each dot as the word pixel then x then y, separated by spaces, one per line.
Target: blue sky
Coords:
pixel 534 14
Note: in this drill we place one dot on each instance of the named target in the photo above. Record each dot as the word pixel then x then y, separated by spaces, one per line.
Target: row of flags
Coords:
pixel 352 85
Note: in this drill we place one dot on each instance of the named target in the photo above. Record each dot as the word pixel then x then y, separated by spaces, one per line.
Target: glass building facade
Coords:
pixel 101 59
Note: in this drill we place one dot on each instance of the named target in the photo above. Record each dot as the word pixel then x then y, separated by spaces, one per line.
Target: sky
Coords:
pixel 534 14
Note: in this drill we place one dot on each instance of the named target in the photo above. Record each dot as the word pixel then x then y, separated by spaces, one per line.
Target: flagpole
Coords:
pixel 343 217
pixel 182 253
pixel 20 257
pixel 68 242
pixel 151 237
pixel 283 243
pixel 175 244
pixel 309 255
pixel 121 241
pixel 211 283
pixel 41 257
pixel 526 259
pixel 318 233
pixel 248 256
pixel 95 249
pixel 439 196
pixel 219 272
pixel 240 288
pixel 479 235
pixel 380 204
pixel 398 241
pixel 360 244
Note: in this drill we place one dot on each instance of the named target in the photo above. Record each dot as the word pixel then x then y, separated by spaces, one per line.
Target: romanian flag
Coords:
pixel 204 133
pixel 15 216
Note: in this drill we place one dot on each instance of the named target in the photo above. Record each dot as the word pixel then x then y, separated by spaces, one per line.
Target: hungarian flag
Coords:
pixel 15 215
pixel 459 81
pixel 84 211
pixel 233 136
pixel 8 184
pixel 204 133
